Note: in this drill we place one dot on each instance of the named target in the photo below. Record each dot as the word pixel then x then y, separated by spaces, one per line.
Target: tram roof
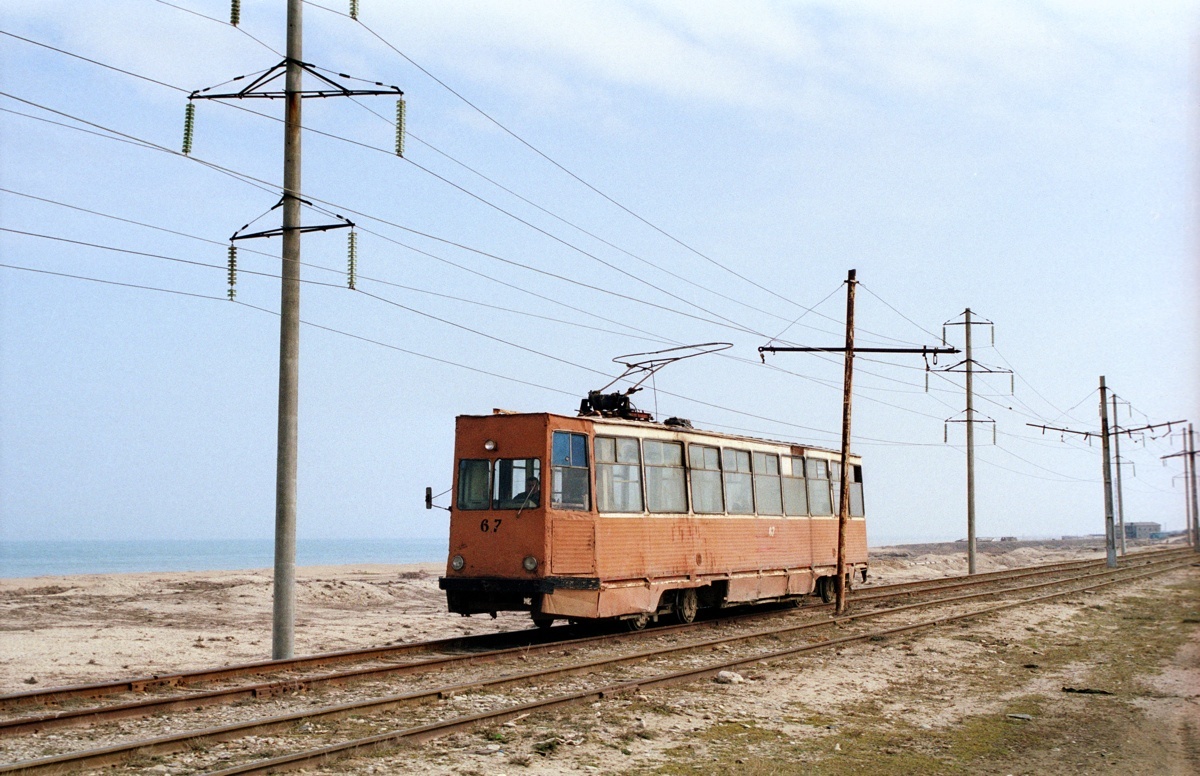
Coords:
pixel 656 426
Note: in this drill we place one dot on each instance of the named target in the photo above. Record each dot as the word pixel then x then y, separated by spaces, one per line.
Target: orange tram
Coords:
pixel 639 520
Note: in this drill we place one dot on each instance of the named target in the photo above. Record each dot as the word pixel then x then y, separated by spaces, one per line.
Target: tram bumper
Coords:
pixel 478 595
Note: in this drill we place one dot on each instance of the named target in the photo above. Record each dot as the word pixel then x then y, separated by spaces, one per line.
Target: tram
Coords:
pixel 609 517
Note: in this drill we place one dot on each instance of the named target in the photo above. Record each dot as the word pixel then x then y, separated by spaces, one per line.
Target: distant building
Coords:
pixel 1142 530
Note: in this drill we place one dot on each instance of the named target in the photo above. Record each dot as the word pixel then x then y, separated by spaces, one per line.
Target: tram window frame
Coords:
pixel 706 479
pixel 738 480
pixel 527 497
pixel 570 476
pixel 816 475
pixel 768 482
pixel 835 485
pixel 795 490
pixel 665 477
pixel 465 480
pixel 613 467
pixel 857 505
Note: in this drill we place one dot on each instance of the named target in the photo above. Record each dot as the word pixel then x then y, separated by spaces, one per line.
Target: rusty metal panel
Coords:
pixel 743 588
pixel 627 600
pixel 638 547
pixel 572 545
pixel 801 583
pixel 572 603
pixel 824 540
pixel 772 585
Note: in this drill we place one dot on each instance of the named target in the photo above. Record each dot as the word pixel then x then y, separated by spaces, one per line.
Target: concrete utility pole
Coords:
pixel 263 86
pixel 1191 507
pixel 1195 505
pixel 1117 459
pixel 1110 548
pixel 283 621
pixel 970 367
pixel 1105 432
pixel 1187 496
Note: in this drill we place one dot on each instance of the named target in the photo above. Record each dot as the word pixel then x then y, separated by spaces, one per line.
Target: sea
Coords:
pixel 32 558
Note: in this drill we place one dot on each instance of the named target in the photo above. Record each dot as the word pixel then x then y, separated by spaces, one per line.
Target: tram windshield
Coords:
pixel 517 483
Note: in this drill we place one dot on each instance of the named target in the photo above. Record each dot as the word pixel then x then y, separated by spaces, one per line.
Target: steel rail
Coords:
pixel 389 740
pixel 53 695
pixel 142 708
pixel 177 742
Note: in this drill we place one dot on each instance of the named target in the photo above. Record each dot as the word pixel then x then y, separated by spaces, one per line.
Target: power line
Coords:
pixel 94 61
pixel 556 164
pixel 865 440
pixel 369 278
pixel 222 22
pixel 114 282
pixel 443 179
pixel 264 185
pixel 732 323
pixel 897 312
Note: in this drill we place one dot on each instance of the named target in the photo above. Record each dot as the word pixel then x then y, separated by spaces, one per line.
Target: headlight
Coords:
pixel 530 563
pixel 457 563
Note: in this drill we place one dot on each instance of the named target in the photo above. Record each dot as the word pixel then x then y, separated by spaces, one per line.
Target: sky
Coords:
pixel 584 180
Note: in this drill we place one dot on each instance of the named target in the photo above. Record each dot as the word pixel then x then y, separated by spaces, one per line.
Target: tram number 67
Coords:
pixel 486 525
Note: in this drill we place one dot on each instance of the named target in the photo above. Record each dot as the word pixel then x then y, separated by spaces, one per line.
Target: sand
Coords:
pixel 59 630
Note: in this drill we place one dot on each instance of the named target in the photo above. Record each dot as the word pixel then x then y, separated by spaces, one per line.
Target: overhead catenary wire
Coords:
pixel 422 168
pixel 266 186
pixel 570 393
pixel 384 150
pixel 1058 476
pixel 138 141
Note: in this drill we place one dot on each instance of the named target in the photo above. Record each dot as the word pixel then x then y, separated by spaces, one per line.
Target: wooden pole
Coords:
pixel 844 490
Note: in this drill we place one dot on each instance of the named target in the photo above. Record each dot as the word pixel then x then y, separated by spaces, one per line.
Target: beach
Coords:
pixel 73 629
pixel 940 701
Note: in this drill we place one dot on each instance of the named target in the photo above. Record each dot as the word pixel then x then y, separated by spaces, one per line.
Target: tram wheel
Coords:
pixel 687 603
pixel 637 622
pixel 825 586
pixel 542 622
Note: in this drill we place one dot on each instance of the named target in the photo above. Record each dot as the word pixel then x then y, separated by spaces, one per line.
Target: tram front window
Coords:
pixel 473 483
pixel 517 483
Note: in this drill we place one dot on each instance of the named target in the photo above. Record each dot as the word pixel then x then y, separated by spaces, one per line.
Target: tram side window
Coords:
pixel 618 475
pixel 835 485
pixel 819 501
pixel 795 500
pixel 666 481
pixel 766 484
pixel 569 471
pixel 473 483
pixel 706 480
pixel 856 492
pixel 739 492
pixel 517 484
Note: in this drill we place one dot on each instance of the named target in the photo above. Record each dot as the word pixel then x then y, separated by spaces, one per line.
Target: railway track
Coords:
pixel 605 670
pixel 482 644
pixel 467 651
